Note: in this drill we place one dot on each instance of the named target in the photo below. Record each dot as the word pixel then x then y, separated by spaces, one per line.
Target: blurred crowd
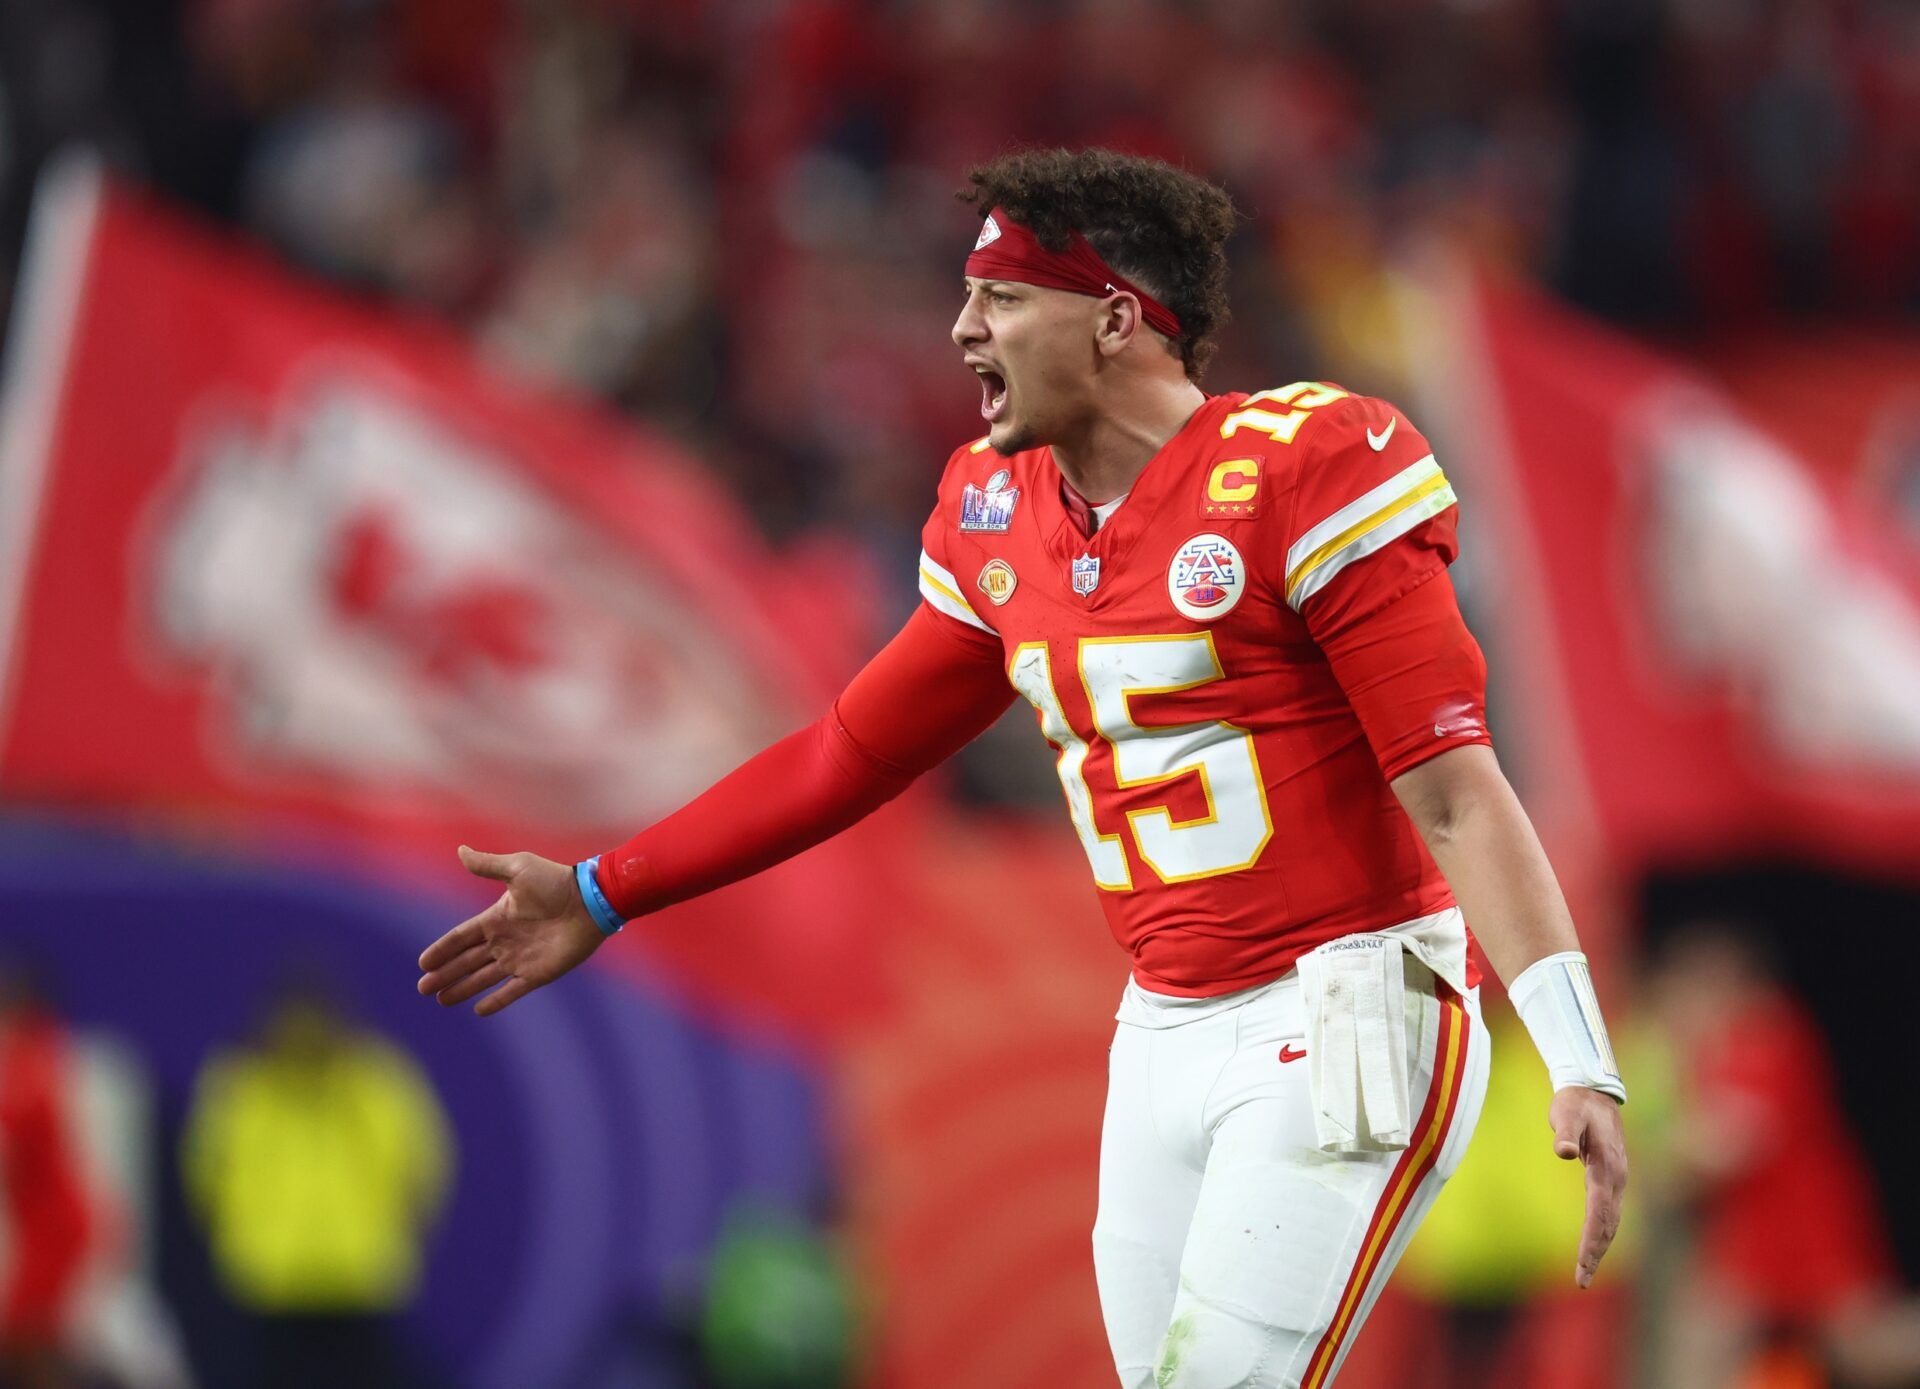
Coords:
pixel 734 220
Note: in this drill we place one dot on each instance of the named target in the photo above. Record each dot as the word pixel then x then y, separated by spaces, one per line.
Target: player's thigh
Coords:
pixel 1472 1086
pixel 1289 1245
pixel 1147 1195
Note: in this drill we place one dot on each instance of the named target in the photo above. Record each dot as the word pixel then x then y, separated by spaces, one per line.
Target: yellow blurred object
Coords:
pixel 315 1169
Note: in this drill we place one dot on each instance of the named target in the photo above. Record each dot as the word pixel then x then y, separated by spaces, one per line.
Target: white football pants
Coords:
pixel 1230 1251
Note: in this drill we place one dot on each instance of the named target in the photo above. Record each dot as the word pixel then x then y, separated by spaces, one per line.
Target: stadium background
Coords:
pixel 464 420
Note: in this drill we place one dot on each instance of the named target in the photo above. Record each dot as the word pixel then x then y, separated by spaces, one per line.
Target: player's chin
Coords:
pixel 1009 436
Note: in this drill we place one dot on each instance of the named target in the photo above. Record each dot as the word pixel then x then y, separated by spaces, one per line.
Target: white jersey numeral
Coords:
pixel 1114 671
pixel 1032 674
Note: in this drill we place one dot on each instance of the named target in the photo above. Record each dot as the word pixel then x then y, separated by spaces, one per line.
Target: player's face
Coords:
pixel 1033 351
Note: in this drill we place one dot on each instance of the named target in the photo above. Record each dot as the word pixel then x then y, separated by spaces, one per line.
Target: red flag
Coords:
pixel 1710 648
pixel 276 560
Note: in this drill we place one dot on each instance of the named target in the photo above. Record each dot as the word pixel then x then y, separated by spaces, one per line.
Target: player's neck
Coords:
pixel 1101 460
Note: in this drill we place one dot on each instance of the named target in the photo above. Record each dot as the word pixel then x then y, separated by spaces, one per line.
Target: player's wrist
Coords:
pixel 1555 999
pixel 1617 1098
pixel 586 878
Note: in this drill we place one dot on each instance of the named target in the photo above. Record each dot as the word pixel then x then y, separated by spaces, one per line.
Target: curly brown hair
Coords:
pixel 1161 227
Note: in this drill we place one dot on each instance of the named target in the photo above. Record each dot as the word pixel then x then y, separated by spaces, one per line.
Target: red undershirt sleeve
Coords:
pixel 927 693
pixel 1414 676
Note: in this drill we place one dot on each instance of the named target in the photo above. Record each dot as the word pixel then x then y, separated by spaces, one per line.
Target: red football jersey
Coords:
pixel 1234 812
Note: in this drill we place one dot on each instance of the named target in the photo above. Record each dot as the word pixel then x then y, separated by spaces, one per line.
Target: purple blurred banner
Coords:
pixel 602 1136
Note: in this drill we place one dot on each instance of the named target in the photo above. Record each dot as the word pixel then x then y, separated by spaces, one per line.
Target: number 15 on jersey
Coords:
pixel 1113 671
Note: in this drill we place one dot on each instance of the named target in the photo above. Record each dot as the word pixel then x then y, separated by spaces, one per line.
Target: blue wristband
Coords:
pixel 598 907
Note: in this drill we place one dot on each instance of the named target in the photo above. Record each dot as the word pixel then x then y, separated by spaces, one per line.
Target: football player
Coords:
pixel 1232 617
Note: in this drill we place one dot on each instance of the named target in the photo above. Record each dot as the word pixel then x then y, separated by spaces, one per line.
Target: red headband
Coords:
pixel 1008 251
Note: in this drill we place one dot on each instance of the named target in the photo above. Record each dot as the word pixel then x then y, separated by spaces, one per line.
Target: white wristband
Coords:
pixel 1555 999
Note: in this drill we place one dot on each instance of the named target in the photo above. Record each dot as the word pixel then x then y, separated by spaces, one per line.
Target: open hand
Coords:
pixel 536 932
pixel 1586 1125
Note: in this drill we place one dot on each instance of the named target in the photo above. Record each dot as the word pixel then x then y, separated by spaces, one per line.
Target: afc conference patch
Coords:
pixel 1206 577
pixel 989 508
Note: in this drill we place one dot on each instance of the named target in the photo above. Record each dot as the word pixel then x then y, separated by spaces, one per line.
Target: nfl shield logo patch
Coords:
pixel 1086 574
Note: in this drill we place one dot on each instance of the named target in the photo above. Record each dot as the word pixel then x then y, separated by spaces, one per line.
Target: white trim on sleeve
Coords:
pixel 942 592
pixel 1361 527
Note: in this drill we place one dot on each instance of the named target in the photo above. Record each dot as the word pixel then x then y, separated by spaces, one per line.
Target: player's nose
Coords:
pixel 971 326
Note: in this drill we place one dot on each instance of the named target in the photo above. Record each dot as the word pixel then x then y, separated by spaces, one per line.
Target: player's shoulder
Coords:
pixel 1353 419
pixel 1348 445
pixel 978 476
pixel 1302 448
pixel 1366 476
pixel 974 456
pixel 979 501
pixel 1308 418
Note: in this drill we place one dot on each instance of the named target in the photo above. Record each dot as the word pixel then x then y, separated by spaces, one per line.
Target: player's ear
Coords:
pixel 1117 319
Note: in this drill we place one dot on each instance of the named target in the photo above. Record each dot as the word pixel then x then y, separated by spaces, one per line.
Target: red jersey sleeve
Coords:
pixel 1370 517
pixel 1414 676
pixel 943 591
pixel 1371 531
pixel 919 701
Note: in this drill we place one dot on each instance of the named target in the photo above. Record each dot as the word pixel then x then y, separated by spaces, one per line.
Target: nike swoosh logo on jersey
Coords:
pixel 1287 1053
pixel 1379 441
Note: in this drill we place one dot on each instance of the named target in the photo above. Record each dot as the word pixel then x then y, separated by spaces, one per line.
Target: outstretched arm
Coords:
pixel 927 693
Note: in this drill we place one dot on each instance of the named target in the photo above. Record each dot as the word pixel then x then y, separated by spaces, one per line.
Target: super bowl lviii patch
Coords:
pixel 1206 577
pixel 997 580
pixel 989 508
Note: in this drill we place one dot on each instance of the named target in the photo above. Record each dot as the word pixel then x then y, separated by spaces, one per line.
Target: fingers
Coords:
pixel 1606 1186
pixel 1586 1125
pixel 459 968
pixel 1570 1136
pixel 1602 1224
pixel 476 983
pixel 498 866
pixel 514 988
pixel 461 938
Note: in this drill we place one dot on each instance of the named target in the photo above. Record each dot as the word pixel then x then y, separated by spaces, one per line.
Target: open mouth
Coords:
pixel 993 394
